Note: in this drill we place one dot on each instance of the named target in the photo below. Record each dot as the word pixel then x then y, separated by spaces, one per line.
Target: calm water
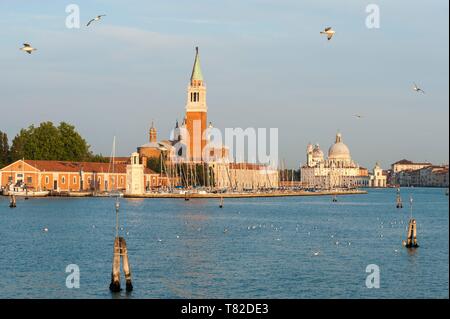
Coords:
pixel 179 249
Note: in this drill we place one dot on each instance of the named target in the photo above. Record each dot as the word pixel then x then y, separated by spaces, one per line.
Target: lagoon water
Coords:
pixel 252 248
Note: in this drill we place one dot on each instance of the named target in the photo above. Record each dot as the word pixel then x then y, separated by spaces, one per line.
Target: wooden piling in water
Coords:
pixel 120 253
pixel 12 201
pixel 126 264
pixel 115 274
pixel 411 240
pixel 399 202
pixel 399 199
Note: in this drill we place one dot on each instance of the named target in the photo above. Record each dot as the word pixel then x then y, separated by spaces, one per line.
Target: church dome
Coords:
pixel 317 152
pixel 339 151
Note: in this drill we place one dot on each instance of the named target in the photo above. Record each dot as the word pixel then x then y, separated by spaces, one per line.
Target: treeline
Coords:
pixel 47 142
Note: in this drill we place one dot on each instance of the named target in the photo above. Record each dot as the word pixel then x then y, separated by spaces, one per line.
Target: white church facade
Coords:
pixel 336 171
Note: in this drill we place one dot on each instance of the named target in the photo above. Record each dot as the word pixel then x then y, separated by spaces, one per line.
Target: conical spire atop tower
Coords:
pixel 196 70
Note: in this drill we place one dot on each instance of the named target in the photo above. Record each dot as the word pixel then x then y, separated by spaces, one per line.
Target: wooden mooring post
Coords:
pixel 12 201
pixel 120 253
pixel 115 275
pixel 411 238
pixel 399 199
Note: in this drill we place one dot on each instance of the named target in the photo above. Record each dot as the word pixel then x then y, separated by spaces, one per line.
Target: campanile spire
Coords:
pixel 196 111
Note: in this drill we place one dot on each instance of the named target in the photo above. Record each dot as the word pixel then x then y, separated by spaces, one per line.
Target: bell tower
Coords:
pixel 196 112
pixel 152 134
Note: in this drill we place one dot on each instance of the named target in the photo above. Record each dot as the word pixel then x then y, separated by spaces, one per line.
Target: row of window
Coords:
pixel 63 180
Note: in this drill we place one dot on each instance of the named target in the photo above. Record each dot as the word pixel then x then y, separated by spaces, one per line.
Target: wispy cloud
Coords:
pixel 199 21
pixel 140 38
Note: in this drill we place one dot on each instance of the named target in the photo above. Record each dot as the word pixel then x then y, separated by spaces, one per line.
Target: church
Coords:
pixel 190 144
pixel 336 171
pixel 190 138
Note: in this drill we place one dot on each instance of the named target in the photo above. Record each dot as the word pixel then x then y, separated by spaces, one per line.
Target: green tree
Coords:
pixel 47 142
pixel 154 163
pixel 4 150
pixel 18 144
pixel 74 146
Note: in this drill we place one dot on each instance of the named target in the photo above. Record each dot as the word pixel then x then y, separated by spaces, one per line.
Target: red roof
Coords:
pixel 63 166
pixel 404 161
pixel 76 167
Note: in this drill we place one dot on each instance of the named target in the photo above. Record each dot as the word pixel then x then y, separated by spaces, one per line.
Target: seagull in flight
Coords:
pixel 418 89
pixel 358 116
pixel 329 32
pixel 27 48
pixel 97 18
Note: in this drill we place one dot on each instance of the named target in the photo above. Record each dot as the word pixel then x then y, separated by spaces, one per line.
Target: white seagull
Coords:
pixel 97 18
pixel 418 89
pixel 329 32
pixel 27 48
pixel 358 116
pixel 316 253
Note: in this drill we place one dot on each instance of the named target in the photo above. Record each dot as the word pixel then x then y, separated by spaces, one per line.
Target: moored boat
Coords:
pixel 20 192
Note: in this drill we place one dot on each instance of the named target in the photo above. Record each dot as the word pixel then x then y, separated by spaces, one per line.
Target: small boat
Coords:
pixel 21 190
pixel 27 194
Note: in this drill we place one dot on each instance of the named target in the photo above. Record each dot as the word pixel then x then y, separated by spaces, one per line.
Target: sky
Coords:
pixel 264 62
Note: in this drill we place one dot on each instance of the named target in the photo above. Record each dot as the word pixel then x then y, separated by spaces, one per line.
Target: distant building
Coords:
pixel 405 165
pixel 408 173
pixel 378 178
pixel 337 171
pixel 63 176
pixel 428 176
pixel 135 176
pixel 244 176
pixel 191 143
pixel 156 149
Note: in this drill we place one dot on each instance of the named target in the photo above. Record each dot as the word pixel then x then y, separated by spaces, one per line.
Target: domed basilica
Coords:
pixel 337 171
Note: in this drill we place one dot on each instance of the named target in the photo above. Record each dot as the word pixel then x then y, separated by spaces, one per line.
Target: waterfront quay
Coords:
pixel 250 195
